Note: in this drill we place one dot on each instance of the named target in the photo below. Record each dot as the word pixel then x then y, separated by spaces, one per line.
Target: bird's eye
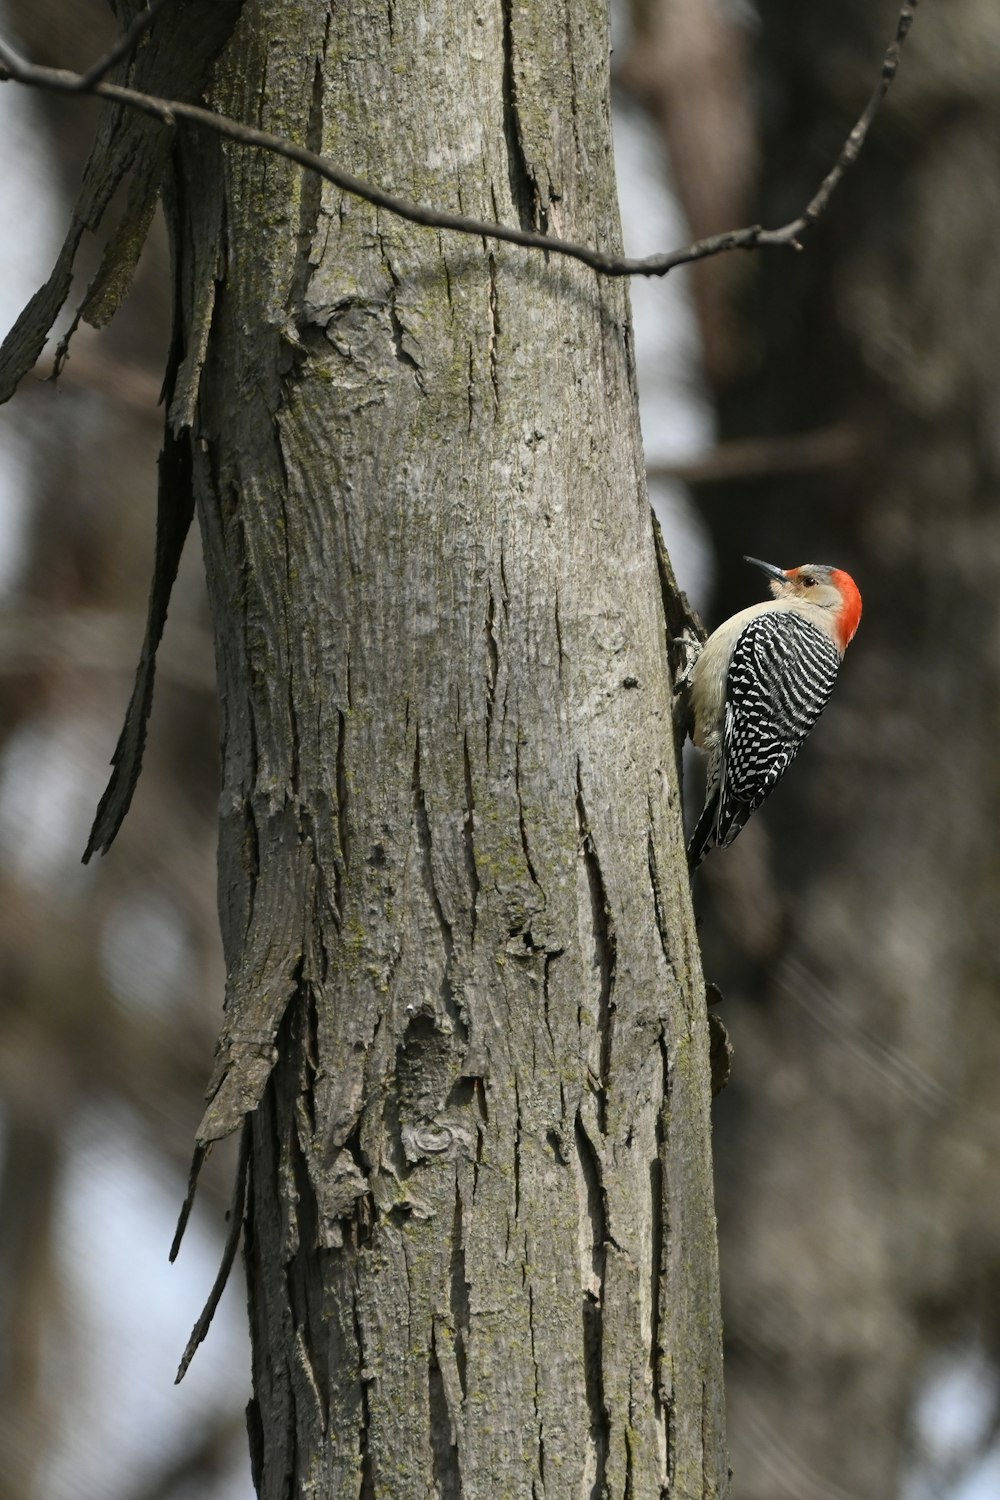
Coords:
pixel 807 582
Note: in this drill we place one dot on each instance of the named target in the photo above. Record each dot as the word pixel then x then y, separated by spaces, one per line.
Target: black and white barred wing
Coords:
pixel 780 678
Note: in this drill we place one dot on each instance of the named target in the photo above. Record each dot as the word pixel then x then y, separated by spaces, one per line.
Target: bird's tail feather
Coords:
pixel 703 837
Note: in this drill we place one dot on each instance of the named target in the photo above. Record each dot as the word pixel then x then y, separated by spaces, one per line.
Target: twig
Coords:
pixel 753 237
pixel 125 44
pixel 852 146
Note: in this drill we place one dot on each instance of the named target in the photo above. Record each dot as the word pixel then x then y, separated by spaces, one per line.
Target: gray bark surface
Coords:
pixel 464 997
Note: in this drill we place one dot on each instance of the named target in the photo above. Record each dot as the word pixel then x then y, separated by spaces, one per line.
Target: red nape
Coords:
pixel 850 612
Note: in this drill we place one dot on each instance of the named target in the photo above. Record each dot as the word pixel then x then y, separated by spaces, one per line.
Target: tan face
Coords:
pixel 822 586
pixel 812 582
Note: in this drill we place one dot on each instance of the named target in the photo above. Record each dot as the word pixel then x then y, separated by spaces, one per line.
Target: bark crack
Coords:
pixel 536 1393
pixel 427 864
pixel 494 334
pixel 480 1133
pixel 367 1490
pixel 605 950
pixel 656 1266
pixel 517 1151
pixel 340 865
pixel 286 543
pixel 472 385
pixel 559 640
pixel 523 187
pixel 522 826
pixel 469 830
pixel 493 666
pixel 444 1440
pixel 400 334
pixel 629 1454
pixel 505 587
pixel 461 1311
pixel 593 1215
pixel 662 926
pixel 550 959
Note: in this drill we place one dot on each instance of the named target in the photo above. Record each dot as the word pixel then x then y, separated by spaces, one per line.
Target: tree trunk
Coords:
pixel 464 1004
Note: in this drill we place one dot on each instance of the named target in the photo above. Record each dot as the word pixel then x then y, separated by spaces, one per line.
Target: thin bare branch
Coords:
pixel 124 46
pixel 753 237
pixel 852 146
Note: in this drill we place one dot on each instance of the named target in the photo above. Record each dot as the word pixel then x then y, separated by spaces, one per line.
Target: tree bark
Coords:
pixel 464 1005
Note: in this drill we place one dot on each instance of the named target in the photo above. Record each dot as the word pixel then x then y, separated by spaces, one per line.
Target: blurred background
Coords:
pixel 841 405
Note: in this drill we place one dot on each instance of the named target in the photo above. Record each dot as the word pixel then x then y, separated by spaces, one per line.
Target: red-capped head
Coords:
pixel 850 609
pixel 823 586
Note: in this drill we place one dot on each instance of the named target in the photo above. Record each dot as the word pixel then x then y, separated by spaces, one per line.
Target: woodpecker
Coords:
pixel 759 685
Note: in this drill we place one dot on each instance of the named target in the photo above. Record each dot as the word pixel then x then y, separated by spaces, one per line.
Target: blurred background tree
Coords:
pixel 853 927
pixel 853 391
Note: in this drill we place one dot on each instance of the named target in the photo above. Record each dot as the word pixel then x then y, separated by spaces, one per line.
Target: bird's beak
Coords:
pixel 778 574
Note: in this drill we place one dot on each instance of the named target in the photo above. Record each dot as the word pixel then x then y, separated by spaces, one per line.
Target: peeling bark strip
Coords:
pixel 464 1011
